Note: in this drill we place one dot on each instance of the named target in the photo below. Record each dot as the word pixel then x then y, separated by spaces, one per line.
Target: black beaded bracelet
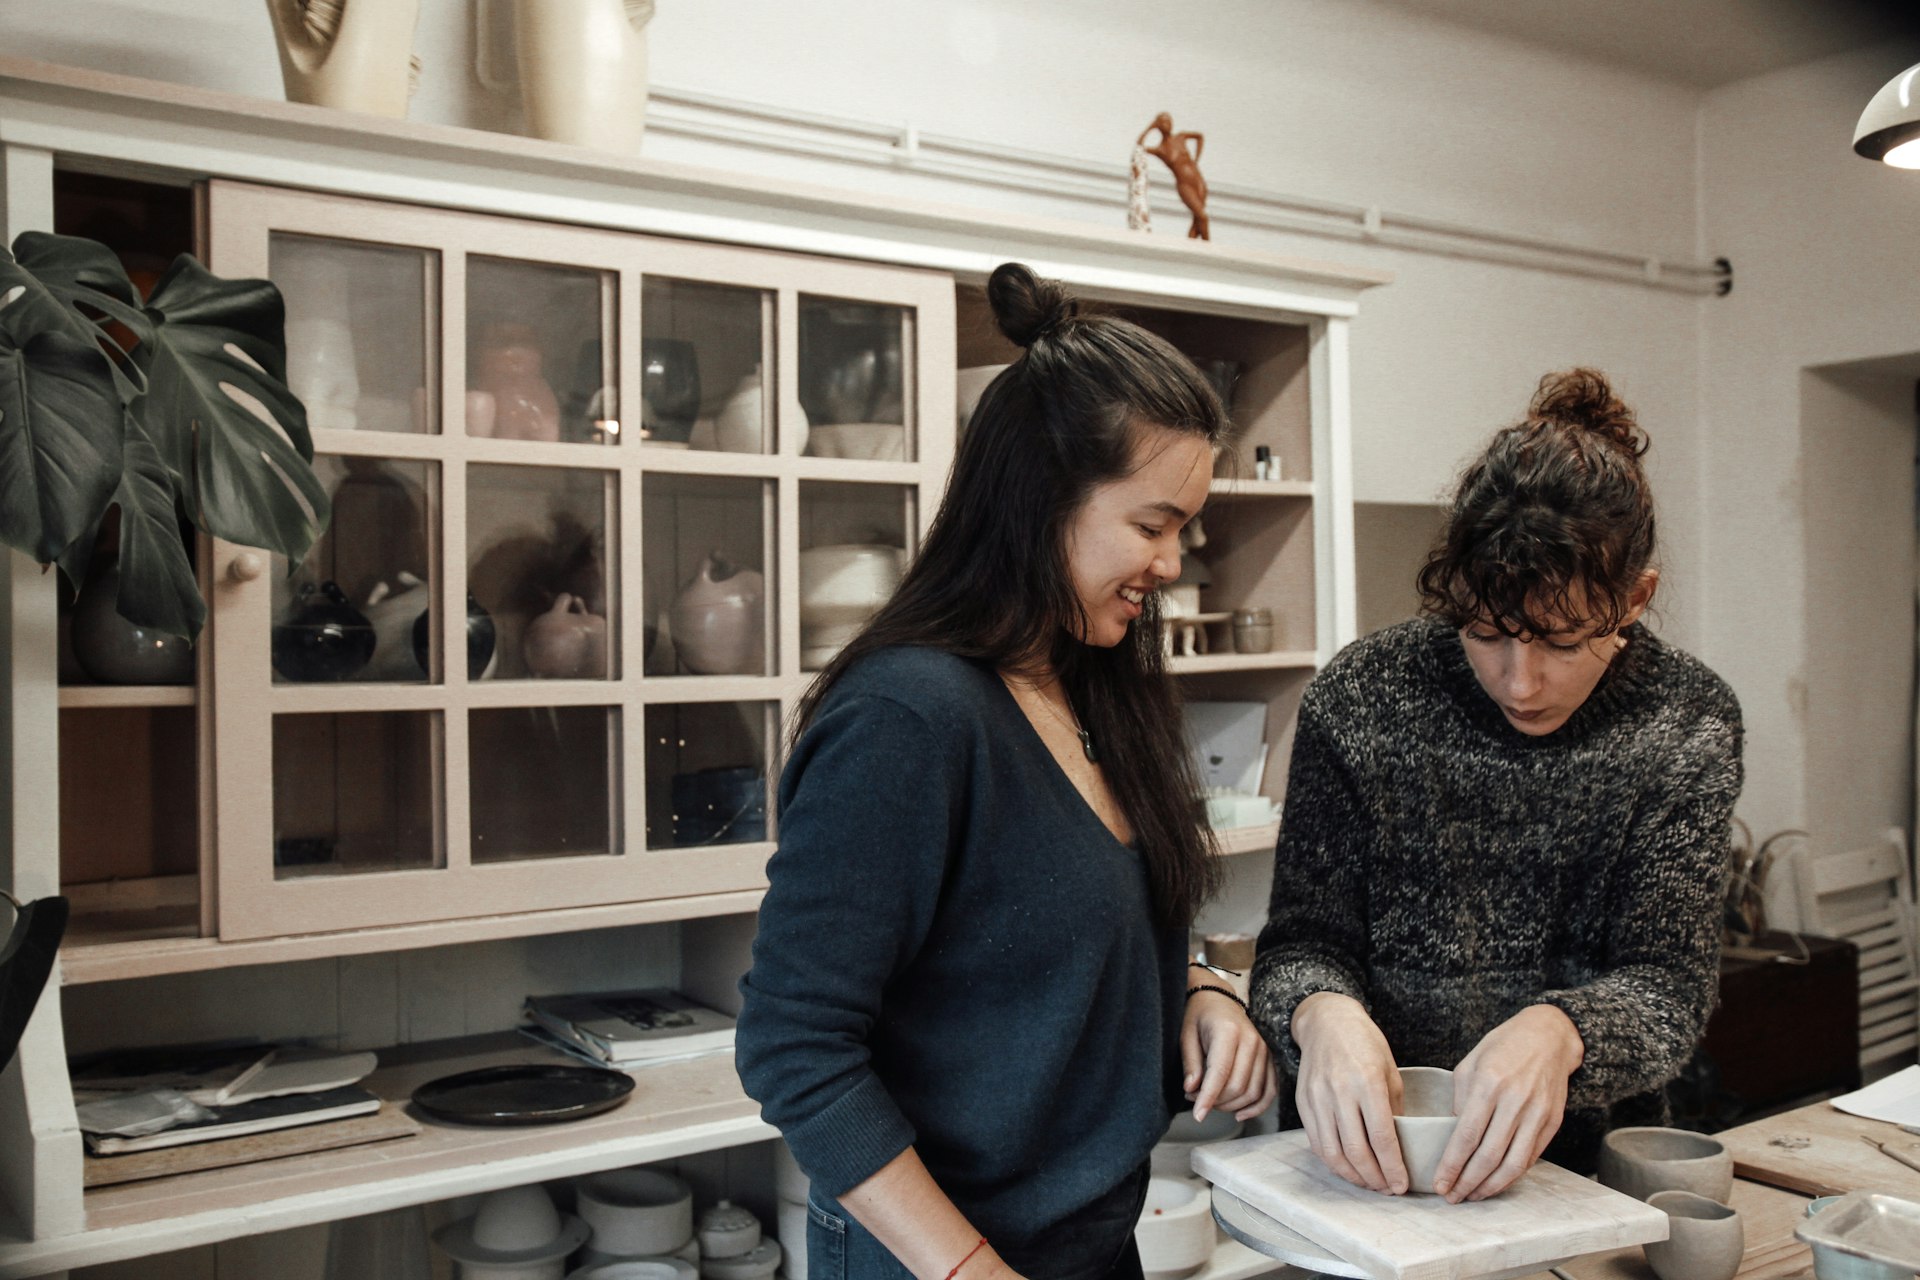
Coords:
pixel 1193 991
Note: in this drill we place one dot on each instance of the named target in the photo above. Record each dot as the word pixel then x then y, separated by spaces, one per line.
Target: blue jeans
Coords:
pixel 1096 1244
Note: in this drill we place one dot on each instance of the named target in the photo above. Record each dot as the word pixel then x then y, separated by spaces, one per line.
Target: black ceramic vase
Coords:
pixel 480 640
pixel 670 386
pixel 324 638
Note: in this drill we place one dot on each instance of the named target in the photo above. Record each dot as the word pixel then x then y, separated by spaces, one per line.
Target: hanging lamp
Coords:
pixel 1889 128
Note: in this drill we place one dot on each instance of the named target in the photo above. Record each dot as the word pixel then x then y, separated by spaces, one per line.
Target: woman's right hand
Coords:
pixel 1349 1090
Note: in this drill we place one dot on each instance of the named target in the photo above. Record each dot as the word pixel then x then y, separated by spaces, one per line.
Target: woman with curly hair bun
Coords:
pixel 970 1011
pixel 1506 828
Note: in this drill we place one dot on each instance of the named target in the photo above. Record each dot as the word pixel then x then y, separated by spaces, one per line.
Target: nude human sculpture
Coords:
pixel 1181 153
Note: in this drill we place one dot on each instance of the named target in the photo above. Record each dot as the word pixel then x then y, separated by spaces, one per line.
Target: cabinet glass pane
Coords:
pixel 352 611
pixel 355 792
pixel 545 782
pixel 707 772
pixel 363 330
pixel 853 549
pixel 130 822
pixel 705 567
pixel 856 379
pixel 539 566
pixel 703 352
pixel 541 350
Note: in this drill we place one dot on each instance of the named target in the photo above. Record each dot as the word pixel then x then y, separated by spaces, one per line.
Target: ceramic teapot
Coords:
pixel 323 638
pixel 717 620
pixel 566 642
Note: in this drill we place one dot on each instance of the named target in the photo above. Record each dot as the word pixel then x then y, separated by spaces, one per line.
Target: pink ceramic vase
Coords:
pixel 566 642
pixel 717 620
pixel 509 371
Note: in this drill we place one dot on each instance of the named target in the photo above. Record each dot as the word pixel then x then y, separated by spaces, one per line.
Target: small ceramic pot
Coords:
pixel 737 424
pixel 323 637
pixel 1831 1264
pixel 525 407
pixel 1705 1239
pixel 636 1212
pixel 566 642
pixel 1175 1235
pixel 728 1231
pixel 717 620
pixel 115 651
pixel 1642 1161
pixel 669 389
pixel 1425 1123
pixel 1252 630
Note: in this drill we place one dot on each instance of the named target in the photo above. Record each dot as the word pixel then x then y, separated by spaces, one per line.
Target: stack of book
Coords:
pixel 235 1090
pixel 629 1028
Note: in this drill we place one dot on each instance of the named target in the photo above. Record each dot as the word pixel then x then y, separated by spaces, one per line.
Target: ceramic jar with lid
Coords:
pixel 1252 630
pixel 728 1231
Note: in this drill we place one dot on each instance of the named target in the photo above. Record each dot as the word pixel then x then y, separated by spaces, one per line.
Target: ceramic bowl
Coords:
pixel 1705 1240
pixel 1175 1235
pixel 515 1234
pixel 1642 1161
pixel 638 1269
pixel 1425 1123
pixel 871 441
pixel 842 586
pixel 634 1212
pixel 1831 1264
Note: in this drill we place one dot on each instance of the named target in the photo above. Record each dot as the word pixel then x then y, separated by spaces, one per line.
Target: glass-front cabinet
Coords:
pixel 602 504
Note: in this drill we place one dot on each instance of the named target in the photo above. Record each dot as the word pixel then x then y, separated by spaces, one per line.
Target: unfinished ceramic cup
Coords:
pixel 1425 1123
pixel 1705 1240
pixel 1642 1161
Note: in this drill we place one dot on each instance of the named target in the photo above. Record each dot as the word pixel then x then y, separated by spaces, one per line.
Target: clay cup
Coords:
pixel 1705 1240
pixel 1642 1161
pixel 1425 1123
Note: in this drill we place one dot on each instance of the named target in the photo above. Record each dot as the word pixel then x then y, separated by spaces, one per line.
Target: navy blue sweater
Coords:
pixel 955 953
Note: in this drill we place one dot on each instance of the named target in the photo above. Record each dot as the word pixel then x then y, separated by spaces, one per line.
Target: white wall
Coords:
pixel 1827 261
pixel 1337 99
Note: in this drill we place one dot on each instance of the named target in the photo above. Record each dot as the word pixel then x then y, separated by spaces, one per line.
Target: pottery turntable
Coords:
pixel 1274 1195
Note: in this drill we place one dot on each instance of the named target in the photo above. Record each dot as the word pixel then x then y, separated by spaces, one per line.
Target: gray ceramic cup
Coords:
pixel 1705 1240
pixel 1425 1122
pixel 1641 1162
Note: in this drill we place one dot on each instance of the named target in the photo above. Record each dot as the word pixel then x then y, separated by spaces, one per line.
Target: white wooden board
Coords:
pixel 1548 1215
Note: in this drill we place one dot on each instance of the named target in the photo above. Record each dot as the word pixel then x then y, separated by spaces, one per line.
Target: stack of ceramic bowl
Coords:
pixel 840 588
pixel 790 1185
pixel 731 1247
pixel 638 1215
pixel 515 1234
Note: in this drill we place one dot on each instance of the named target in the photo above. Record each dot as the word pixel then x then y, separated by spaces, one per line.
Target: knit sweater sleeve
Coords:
pixel 1316 933
pixel 866 811
pixel 1641 1018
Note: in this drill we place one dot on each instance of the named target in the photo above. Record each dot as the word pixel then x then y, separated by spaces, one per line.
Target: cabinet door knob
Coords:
pixel 247 566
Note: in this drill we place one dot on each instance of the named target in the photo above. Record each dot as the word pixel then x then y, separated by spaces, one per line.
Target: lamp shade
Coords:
pixel 1889 128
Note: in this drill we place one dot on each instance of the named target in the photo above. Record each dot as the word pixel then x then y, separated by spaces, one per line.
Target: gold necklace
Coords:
pixel 1073 726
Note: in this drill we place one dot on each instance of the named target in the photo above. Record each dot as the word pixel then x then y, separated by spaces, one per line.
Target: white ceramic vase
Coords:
pixel 352 54
pixel 583 70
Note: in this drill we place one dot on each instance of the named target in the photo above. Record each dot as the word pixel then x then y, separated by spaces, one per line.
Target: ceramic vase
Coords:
pixel 524 406
pixel 737 424
pixel 323 637
pixel 1705 1240
pixel 115 651
pixel 482 641
pixel 566 642
pixel 353 54
pixel 717 619
pixel 669 390
pixel 583 70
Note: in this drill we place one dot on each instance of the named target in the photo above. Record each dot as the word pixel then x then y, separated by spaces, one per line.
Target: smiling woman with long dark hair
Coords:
pixel 969 1007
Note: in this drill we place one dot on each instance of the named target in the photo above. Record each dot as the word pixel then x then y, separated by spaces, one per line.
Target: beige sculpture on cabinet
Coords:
pixel 583 70
pixel 353 54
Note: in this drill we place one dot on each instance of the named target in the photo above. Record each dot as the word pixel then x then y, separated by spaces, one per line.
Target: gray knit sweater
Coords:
pixel 1447 870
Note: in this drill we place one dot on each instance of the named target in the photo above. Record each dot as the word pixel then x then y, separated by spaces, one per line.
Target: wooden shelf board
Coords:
pixel 77 696
pixel 1258 839
pixel 676 1109
pixel 1278 660
pixel 1226 487
pixel 114 961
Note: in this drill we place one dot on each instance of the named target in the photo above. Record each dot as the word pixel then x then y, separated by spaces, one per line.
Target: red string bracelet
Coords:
pixel 978 1246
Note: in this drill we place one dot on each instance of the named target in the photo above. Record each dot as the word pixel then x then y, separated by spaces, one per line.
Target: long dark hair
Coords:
pixel 992 582
pixel 1553 523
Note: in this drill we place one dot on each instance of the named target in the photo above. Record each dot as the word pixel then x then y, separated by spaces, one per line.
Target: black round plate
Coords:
pixel 533 1093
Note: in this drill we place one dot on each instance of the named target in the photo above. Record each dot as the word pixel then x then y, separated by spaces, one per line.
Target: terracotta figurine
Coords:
pixel 1172 148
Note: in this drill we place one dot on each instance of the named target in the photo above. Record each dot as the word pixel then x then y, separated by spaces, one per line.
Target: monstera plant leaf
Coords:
pixel 219 413
pixel 59 439
pixel 157 586
pixel 74 286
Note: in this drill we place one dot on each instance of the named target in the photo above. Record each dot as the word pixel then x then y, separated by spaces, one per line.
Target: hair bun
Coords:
pixel 1026 307
pixel 1582 398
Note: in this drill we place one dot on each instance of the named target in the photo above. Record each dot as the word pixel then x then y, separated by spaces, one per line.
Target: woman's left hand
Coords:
pixel 1228 1066
pixel 1510 1094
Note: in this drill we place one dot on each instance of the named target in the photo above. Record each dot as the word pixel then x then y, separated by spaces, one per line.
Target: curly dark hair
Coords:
pixel 1553 523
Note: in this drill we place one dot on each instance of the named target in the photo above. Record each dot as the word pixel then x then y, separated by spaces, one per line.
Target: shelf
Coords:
pixel 116 961
pixel 1227 487
pixel 676 1109
pixel 78 696
pixel 1279 660
pixel 1260 839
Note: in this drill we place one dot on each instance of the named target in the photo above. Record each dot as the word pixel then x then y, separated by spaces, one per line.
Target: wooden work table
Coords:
pixel 1780 1163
